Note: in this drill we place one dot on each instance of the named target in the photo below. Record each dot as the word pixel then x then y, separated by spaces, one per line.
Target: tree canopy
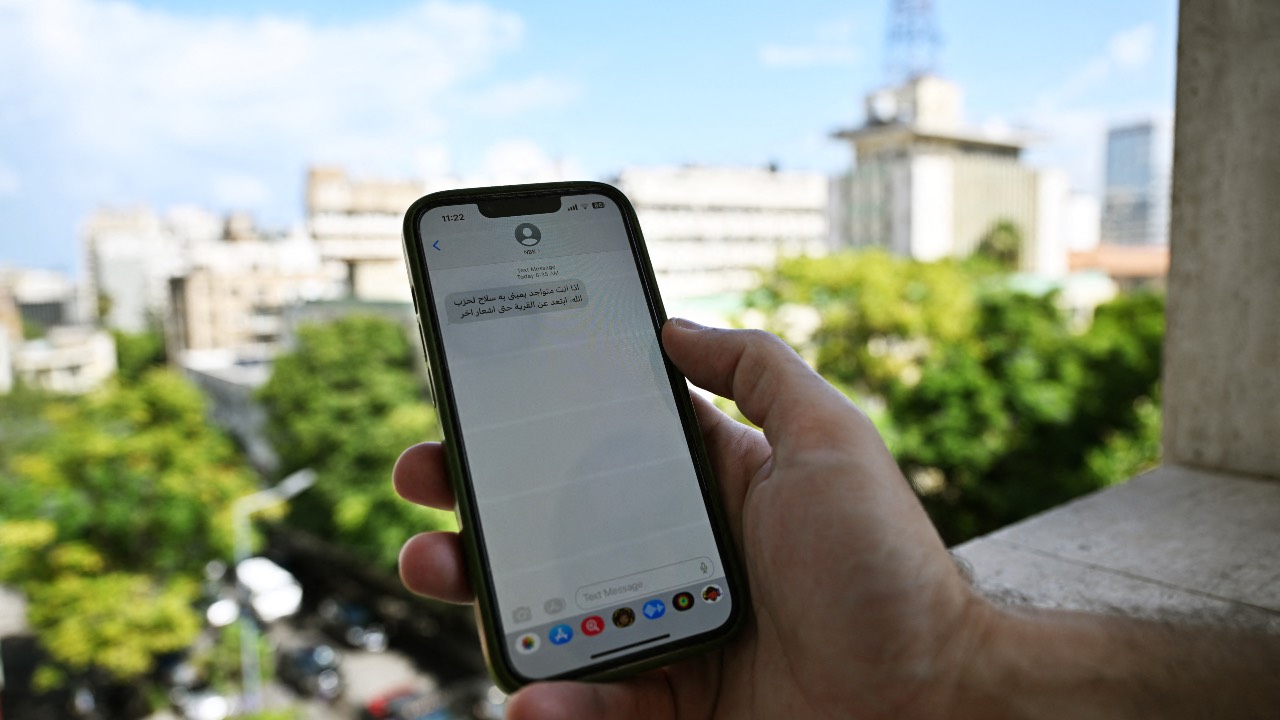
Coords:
pixel 1002 244
pixel 994 406
pixel 346 402
pixel 110 507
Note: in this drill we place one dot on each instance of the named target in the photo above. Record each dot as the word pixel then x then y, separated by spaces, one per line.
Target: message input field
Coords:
pixel 647 582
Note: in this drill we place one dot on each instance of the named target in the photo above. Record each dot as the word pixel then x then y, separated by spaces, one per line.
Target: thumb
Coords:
pixel 773 386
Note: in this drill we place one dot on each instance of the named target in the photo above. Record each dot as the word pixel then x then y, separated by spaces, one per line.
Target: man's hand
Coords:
pixel 858 610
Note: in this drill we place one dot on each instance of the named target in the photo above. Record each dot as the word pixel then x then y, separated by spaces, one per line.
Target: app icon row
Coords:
pixel 593 625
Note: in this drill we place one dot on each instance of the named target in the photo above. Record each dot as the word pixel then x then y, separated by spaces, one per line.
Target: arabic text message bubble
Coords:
pixel 516 300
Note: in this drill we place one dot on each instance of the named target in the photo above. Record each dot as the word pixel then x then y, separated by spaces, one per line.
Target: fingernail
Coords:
pixel 686 324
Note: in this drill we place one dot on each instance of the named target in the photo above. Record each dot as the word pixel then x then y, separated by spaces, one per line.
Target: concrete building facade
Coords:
pixel 130 256
pixel 924 185
pixel 709 229
pixel 68 359
pixel 43 341
pixel 233 292
pixel 712 230
pixel 356 223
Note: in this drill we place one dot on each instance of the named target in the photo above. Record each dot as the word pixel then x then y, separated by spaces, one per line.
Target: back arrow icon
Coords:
pixel 436 244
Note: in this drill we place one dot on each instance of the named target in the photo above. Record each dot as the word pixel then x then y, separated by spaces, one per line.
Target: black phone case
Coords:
pixel 493 644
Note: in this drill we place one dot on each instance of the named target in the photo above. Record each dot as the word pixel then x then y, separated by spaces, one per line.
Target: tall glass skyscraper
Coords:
pixel 1135 208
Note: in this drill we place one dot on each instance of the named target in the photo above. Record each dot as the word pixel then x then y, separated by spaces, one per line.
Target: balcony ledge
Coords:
pixel 1175 543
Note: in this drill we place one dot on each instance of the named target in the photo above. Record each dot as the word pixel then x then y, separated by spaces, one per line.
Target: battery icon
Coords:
pixel 597 205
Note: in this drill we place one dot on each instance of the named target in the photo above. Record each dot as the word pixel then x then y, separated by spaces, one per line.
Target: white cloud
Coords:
pixel 1077 147
pixel 240 191
pixel 523 161
pixel 1076 128
pixel 1131 49
pixel 9 183
pixel 138 78
pixel 1127 51
pixel 433 161
pixel 830 45
pixel 511 99
pixel 120 94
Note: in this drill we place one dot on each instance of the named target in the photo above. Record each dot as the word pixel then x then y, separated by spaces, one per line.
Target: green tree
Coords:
pixel 137 353
pixel 993 406
pixel 1002 245
pixel 345 403
pixel 109 509
pixel 878 313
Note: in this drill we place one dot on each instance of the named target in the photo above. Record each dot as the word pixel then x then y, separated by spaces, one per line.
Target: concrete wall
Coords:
pixel 1222 347
pixel 1189 543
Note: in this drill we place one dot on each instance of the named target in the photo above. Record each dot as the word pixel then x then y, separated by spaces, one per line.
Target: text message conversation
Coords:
pixel 586 492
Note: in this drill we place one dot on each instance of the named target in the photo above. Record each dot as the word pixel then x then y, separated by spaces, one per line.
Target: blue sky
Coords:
pixel 225 104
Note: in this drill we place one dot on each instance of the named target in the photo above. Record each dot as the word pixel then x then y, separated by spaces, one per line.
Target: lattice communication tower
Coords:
pixel 912 47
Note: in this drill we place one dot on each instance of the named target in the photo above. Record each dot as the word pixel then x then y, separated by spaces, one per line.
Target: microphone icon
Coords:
pixel 703 568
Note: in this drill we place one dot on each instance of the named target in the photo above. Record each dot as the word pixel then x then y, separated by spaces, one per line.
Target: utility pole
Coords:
pixel 241 509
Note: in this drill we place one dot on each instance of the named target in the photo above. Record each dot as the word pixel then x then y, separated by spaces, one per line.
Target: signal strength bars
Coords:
pixel 572 207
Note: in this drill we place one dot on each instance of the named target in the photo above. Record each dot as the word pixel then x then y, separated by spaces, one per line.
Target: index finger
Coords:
pixel 800 412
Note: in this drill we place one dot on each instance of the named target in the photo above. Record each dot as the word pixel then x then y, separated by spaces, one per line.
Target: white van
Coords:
pixel 273 592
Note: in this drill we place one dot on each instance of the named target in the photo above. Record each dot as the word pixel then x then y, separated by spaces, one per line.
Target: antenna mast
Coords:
pixel 912 47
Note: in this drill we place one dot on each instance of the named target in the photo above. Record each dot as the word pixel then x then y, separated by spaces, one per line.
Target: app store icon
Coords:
pixel 560 634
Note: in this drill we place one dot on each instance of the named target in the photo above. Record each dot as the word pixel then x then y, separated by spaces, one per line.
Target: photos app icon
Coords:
pixel 528 643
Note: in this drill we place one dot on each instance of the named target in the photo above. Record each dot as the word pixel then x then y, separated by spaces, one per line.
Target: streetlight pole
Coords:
pixel 241 509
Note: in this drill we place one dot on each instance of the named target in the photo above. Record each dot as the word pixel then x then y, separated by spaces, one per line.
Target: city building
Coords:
pixel 42 342
pixel 357 223
pixel 68 359
pixel 10 336
pixel 1135 207
pixel 130 256
pixel 925 185
pixel 42 298
pixel 232 292
pixel 712 230
pixel 1132 267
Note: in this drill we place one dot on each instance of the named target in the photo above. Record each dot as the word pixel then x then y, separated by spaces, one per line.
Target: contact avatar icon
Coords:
pixel 528 234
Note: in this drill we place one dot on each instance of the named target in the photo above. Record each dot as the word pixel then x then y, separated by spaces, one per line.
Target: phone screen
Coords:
pixel 591 513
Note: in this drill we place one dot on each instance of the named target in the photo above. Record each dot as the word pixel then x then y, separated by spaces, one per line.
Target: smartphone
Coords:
pixel 591 522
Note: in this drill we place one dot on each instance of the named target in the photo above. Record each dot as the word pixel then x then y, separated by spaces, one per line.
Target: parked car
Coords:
pixel 410 704
pixel 355 624
pixel 311 670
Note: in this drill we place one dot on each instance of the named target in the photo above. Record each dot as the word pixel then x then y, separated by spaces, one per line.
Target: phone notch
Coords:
pixel 513 206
